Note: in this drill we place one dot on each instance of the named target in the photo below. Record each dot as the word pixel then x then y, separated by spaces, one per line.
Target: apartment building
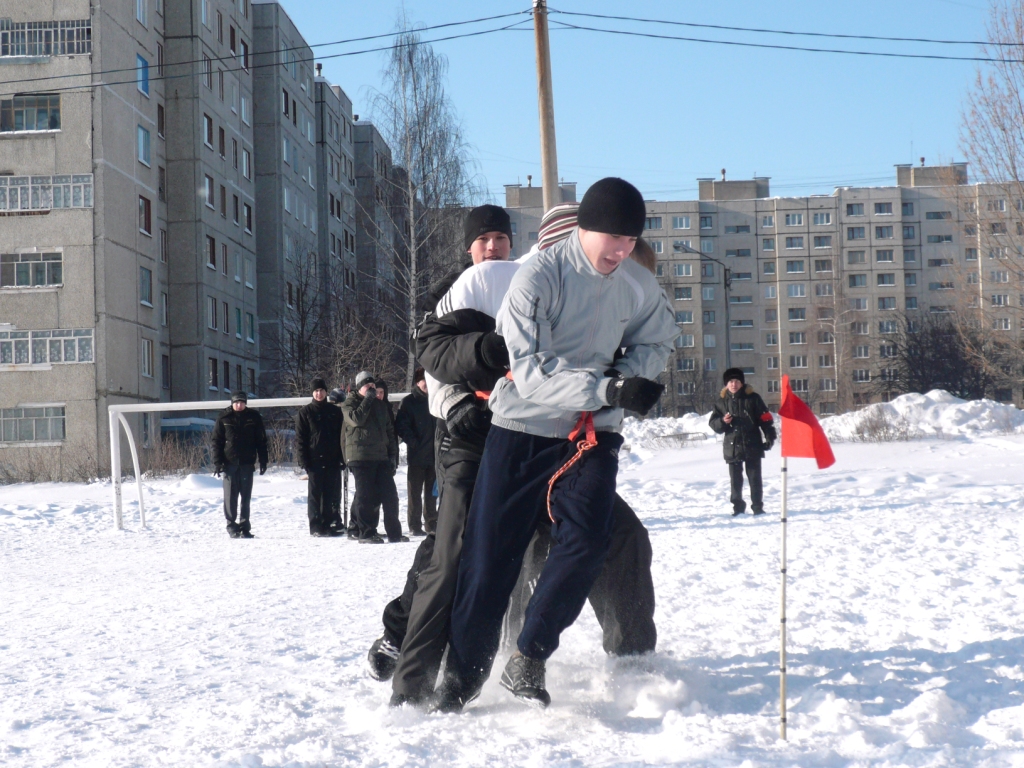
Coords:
pixel 525 207
pixel 815 287
pixel 211 198
pixel 335 151
pixel 375 219
pixel 287 194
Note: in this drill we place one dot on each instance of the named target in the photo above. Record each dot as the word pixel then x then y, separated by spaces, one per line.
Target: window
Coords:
pixel 823 241
pixel 855 233
pixel 797 337
pixel 797 313
pixel 250 327
pixel 823 289
pixel 1001 324
pixel 680 222
pixel 771 315
pixel 822 219
pixel 856 257
pixel 52 346
pixel 767 221
pixel 938 215
pixel 160 120
pixel 887 351
pixel 208 131
pixel 794 219
pixel 25 270
pixel 209 192
pixel 212 370
pixel 887 278
pixel 859 329
pixel 227 376
pixel 858 281
pixel 684 317
pixel 252 371
pixel 741 346
pixel 142 142
pixel 247 216
pixel 707 246
pixel 884 256
pixel 861 376
pixel 685 340
pixel 245 108
pixel 235 209
pixel 859 305
pixel 799 385
pixel 737 229
pixel 706 222
pixel 738 253
pixel 145 286
pixel 970 230
pixel 684 364
pixel 290 292
pixel 142 75
pixel 795 266
pixel 908 209
pixel 883 209
pixel 769 267
pixel 794 242
pixel 996 205
pixel 147 358
pixel 796 290
pixel 826 337
pixel 768 244
pixel 32 425
pixel 886 303
pixel 909 255
pixel 741 299
pixel 911 302
pixel 862 352
pixel 145 216
pixel 211 313
pixel 211 252
pixel 709 341
pixel 940 238
pixel 163 309
pixel 910 279
pixel 707 293
pixel 656 245
pixel 826 361
pixel 221 143
pixel 30 113
pixel 798 361
pixel 224 258
pixel 770 292
pixel 207 72
pixel 161 184
pixel 1000 276
pixel 682 270
pixel 227 317
pixel 238 323
pixel 243 54
pixel 908 232
pixel 1000 300
pixel 165 371
pixel 223 201
pixel 220 28
pixel 742 276
pixel 708 317
pixel 855 209
pixel 741 323
pixel 883 233
pixel 771 340
pixel 998 228
pixel 652 222
pixel 823 265
pixel 246 164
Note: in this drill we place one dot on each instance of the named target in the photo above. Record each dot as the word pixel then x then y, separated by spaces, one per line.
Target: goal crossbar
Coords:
pixel 116 416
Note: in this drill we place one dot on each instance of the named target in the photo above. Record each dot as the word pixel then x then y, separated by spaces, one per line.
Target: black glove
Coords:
pixel 493 350
pixel 468 421
pixel 217 471
pixel 263 468
pixel 634 394
pixel 394 467
pixel 768 443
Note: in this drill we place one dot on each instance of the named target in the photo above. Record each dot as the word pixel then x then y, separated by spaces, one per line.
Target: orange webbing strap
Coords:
pixel 586 423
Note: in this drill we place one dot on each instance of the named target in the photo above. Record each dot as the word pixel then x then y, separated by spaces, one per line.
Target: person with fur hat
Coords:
pixel 318 450
pixel 568 311
pixel 239 439
pixel 741 415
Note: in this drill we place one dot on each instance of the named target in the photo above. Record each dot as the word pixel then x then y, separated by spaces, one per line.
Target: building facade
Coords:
pixel 375 219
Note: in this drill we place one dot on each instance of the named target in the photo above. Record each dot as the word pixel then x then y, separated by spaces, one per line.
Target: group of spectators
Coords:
pixel 358 430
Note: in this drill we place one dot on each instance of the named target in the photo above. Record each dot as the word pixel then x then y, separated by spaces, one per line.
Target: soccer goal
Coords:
pixel 116 418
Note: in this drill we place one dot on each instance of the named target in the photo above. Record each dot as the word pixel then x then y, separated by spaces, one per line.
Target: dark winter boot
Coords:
pixel 373 538
pixel 246 534
pixel 452 696
pixel 234 531
pixel 383 658
pixel 758 511
pixel 524 677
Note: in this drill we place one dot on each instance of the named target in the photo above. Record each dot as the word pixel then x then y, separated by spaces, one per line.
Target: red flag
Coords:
pixel 802 435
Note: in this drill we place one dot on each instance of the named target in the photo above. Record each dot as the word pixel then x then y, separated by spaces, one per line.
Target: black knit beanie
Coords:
pixel 613 206
pixel 318 383
pixel 733 373
pixel 487 218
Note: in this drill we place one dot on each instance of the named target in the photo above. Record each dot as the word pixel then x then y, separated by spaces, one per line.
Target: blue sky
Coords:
pixel 663 113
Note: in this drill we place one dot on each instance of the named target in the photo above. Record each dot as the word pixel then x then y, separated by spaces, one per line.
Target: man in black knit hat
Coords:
pixel 239 439
pixel 318 449
pixel 741 415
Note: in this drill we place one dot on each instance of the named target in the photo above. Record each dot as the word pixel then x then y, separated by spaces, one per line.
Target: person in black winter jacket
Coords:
pixel 741 415
pixel 415 426
pixel 318 447
pixel 239 440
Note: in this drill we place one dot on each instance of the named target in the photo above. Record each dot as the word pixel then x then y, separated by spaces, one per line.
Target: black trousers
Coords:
pixel 426 634
pixel 623 595
pixel 237 483
pixel 335 519
pixel 322 491
pixel 508 501
pixel 375 487
pixel 422 509
pixel 736 478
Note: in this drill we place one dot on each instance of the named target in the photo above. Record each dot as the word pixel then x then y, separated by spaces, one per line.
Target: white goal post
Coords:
pixel 116 415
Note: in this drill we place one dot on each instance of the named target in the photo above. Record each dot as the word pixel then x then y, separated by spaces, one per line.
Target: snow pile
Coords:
pixel 935 414
pixel 649 432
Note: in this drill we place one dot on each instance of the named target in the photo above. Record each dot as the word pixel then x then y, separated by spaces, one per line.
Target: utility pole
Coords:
pixel 546 106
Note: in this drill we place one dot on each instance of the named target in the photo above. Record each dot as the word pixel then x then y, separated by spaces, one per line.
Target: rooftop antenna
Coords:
pixel 723 174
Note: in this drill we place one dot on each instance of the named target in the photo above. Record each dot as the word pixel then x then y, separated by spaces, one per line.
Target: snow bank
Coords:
pixel 937 413
pixel 648 431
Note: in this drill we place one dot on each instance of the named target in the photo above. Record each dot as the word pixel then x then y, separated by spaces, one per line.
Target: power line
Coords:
pixel 651 35
pixel 789 32
pixel 159 78
pixel 234 57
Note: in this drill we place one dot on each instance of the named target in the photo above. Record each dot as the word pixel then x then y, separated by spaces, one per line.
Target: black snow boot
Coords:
pixel 373 538
pixel 234 531
pixel 524 677
pixel 452 696
pixel 246 534
pixel 383 658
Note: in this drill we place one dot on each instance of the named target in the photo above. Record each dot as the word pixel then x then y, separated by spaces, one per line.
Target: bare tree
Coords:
pixel 298 347
pixel 432 183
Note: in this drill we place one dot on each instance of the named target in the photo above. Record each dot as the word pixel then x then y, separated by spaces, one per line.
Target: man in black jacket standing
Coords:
pixel 318 445
pixel 416 427
pixel 741 415
pixel 239 439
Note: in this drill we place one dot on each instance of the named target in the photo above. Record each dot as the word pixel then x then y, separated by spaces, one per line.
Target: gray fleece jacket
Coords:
pixel 563 321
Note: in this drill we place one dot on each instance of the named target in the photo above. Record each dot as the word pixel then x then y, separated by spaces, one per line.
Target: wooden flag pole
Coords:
pixel 782 611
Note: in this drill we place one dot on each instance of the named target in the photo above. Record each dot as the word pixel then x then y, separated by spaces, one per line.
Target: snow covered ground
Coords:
pixel 178 646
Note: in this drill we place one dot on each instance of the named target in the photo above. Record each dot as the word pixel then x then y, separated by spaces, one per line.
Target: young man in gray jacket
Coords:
pixel 568 311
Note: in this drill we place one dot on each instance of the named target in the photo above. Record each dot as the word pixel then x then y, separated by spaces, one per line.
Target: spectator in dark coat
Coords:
pixel 239 439
pixel 371 451
pixel 741 415
pixel 318 445
pixel 415 426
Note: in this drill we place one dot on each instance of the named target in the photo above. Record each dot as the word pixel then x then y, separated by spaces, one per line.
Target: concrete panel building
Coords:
pixel 525 206
pixel 375 219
